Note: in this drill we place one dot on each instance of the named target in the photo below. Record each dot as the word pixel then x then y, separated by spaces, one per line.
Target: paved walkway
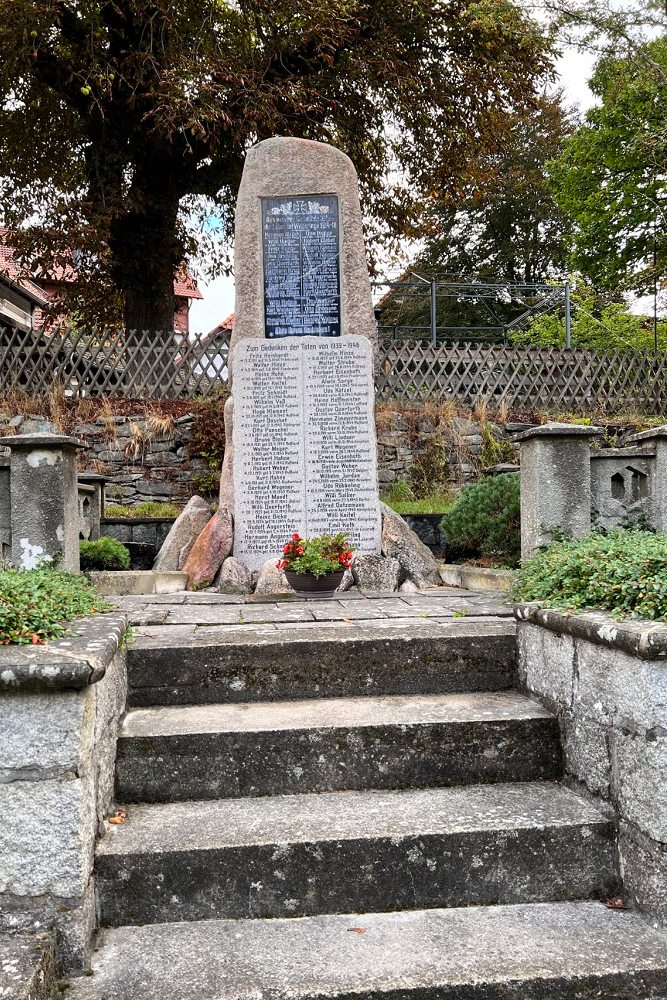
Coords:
pixel 200 611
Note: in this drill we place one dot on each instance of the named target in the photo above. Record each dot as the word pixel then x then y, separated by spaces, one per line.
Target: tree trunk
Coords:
pixel 147 254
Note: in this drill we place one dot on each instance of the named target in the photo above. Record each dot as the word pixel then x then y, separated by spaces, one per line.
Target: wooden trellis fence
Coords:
pixel 145 365
pixel 135 364
pixel 525 378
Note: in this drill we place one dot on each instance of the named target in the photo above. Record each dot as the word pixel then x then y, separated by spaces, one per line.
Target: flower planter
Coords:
pixel 314 586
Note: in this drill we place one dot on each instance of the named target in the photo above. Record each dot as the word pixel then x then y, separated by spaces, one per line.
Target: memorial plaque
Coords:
pixel 305 455
pixel 301 258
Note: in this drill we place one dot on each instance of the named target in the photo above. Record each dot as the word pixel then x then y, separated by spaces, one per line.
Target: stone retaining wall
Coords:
pixel 60 706
pixel 607 682
pixel 139 463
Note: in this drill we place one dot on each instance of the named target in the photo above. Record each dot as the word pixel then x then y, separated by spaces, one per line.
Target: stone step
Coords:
pixel 347 851
pixel 545 951
pixel 186 665
pixel 170 754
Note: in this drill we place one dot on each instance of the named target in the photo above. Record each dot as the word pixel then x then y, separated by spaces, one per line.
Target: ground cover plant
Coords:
pixel 401 497
pixel 623 571
pixel 103 553
pixel 35 603
pixel 486 519
pixel 148 508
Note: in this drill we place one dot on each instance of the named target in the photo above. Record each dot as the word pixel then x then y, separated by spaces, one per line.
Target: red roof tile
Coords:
pixel 185 286
pixel 9 269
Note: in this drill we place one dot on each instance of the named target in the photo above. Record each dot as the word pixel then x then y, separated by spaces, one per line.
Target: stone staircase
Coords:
pixel 368 812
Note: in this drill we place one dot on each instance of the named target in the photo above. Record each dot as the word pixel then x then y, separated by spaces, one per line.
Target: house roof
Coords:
pixel 9 273
pixel 226 324
pixel 185 286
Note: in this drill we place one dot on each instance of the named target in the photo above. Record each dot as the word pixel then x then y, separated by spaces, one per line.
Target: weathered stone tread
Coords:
pixel 345 852
pixel 331 712
pixel 324 745
pixel 556 951
pixel 369 815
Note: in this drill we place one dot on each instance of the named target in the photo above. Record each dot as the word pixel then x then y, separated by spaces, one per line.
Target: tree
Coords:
pixel 504 226
pixel 599 323
pixel 612 177
pixel 121 120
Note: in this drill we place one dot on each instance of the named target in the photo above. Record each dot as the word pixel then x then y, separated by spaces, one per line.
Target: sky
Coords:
pixel 574 69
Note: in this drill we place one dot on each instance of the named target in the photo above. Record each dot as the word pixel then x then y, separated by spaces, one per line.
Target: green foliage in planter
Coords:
pixel 624 572
pixel 148 508
pixel 35 603
pixel 487 518
pixel 104 553
pixel 401 498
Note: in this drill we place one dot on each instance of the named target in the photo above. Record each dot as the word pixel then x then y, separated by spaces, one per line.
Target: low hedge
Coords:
pixel 104 553
pixel 623 571
pixel 34 603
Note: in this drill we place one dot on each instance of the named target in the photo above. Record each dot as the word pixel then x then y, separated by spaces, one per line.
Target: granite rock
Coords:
pixel 210 550
pixel 375 573
pixel 184 533
pixel 272 580
pixel 400 542
pixel 234 577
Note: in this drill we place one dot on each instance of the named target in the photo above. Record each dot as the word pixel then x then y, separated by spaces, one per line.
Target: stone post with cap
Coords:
pixel 44 500
pixel 555 483
pixel 656 437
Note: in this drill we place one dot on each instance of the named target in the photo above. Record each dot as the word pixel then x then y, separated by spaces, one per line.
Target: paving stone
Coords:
pixel 349 851
pixel 217 751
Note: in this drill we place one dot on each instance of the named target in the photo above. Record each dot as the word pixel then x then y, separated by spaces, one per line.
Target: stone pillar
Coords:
pixel 5 509
pixel 44 500
pixel 555 483
pixel 96 499
pixel 657 436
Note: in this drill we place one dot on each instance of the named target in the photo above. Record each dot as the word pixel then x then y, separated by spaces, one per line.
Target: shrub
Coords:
pixel 487 518
pixel 624 571
pixel 104 553
pixel 35 603
pixel 147 508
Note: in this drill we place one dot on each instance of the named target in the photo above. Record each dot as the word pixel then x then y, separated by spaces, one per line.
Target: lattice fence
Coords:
pixel 134 364
pixel 525 378
pixel 145 365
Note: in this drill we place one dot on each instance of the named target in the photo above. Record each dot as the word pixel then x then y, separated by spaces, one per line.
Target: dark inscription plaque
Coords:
pixel 300 240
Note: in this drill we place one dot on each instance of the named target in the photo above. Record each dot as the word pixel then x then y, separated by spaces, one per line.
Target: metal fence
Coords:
pixel 145 365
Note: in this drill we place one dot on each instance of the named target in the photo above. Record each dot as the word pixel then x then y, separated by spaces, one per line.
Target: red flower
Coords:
pixel 295 536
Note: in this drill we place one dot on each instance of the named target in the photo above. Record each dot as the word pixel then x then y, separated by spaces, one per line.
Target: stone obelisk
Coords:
pixel 303 453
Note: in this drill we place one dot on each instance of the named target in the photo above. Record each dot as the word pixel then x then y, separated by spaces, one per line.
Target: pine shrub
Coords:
pixel 487 518
pixel 104 553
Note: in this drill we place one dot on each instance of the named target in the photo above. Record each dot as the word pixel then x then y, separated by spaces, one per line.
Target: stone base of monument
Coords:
pixel 404 562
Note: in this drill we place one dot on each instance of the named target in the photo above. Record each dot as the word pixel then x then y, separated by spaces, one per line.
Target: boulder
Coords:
pixel 408 587
pixel 210 550
pixel 272 580
pixel 400 542
pixel 376 574
pixel 184 533
pixel 346 583
pixel 234 577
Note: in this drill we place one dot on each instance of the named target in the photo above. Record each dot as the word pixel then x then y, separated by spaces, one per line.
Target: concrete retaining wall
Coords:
pixel 60 705
pixel 607 682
